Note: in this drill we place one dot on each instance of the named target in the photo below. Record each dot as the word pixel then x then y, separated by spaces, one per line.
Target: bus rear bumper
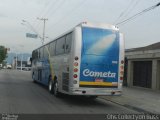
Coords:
pixel 97 92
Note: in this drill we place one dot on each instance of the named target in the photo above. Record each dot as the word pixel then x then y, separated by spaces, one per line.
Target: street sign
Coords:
pixel 31 35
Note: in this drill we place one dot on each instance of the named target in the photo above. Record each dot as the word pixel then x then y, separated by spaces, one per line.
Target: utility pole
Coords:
pixel 21 61
pixel 44 22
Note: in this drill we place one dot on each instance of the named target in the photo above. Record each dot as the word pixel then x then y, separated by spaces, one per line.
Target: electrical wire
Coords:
pixel 53 11
pixel 71 11
pixel 46 12
pixel 131 9
pixel 138 14
pixel 124 11
pixel 42 11
pixel 49 8
pixel 32 28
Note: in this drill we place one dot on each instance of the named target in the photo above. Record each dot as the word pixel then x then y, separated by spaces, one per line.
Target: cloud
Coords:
pixel 2 15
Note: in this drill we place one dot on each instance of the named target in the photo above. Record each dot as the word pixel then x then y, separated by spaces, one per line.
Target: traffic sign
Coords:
pixel 31 35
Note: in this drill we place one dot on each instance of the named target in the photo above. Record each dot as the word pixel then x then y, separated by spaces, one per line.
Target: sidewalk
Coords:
pixel 140 99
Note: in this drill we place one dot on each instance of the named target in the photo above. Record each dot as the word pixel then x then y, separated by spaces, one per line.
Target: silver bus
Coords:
pixel 88 60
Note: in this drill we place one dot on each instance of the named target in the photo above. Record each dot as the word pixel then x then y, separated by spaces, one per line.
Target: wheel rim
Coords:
pixel 50 85
pixel 55 88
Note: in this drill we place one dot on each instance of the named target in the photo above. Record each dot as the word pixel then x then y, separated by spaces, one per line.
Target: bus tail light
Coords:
pixel 122 72
pixel 121 78
pixel 75 82
pixel 75 64
pixel 76 58
pixel 122 61
pixel 75 70
pixel 75 75
pixel 122 67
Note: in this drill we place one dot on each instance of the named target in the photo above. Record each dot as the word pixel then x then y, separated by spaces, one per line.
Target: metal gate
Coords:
pixel 142 74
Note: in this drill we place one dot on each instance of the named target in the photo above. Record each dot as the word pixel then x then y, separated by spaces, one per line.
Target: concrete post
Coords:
pixel 154 74
pixel 130 73
pixel 158 75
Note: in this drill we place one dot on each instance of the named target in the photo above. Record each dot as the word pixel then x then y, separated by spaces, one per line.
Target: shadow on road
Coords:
pixel 83 101
pixel 78 100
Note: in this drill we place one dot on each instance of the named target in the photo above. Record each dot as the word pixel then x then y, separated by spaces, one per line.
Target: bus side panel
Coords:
pixel 75 52
pixel 41 70
pixel 45 71
pixel 121 58
pixel 60 67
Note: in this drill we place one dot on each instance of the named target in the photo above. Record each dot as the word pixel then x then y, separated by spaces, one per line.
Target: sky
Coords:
pixel 63 15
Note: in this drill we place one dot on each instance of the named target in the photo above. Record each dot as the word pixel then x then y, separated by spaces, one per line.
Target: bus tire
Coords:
pixel 55 89
pixel 33 78
pixel 50 86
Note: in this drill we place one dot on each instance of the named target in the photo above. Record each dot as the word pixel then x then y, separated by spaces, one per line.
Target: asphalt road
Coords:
pixel 18 94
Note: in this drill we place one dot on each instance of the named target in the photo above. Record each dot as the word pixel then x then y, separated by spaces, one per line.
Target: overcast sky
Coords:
pixel 63 15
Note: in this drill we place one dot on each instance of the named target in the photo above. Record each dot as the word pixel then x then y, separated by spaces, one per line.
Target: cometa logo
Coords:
pixel 108 74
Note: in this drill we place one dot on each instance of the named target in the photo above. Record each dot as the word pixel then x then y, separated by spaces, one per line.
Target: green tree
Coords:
pixel 3 53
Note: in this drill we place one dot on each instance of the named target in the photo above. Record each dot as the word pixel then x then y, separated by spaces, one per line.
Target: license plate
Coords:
pixel 98 80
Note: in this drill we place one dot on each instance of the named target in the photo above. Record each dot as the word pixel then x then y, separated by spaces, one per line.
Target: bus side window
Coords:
pixel 41 52
pixel 52 48
pixel 34 55
pixel 38 53
pixel 59 46
pixel 68 43
pixel 45 51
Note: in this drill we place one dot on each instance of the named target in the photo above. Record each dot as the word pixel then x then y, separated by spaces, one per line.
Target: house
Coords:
pixel 143 67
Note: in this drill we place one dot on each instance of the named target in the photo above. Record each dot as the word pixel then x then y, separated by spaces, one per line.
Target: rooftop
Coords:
pixel 154 46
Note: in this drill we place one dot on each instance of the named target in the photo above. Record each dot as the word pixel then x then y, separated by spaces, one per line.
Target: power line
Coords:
pixel 138 14
pixel 123 12
pixel 30 26
pixel 131 9
pixel 45 11
pixel 42 11
pixel 71 11
pixel 50 7
pixel 53 11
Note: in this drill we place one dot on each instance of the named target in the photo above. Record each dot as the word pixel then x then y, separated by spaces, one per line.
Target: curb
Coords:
pixel 129 106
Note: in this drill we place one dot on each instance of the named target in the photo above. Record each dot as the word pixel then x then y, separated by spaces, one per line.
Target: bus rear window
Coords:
pixel 99 41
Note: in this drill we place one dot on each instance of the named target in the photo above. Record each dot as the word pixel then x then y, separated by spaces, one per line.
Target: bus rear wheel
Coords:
pixel 50 87
pixel 55 89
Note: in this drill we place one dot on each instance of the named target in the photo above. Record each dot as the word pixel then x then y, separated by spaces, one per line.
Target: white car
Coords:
pixel 9 66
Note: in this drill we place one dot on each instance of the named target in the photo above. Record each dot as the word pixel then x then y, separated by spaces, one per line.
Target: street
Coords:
pixel 18 94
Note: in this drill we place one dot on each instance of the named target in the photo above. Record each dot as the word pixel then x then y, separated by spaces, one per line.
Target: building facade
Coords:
pixel 143 67
pixel 18 64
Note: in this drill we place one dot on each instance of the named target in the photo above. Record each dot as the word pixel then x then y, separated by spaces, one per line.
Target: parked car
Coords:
pixel 9 66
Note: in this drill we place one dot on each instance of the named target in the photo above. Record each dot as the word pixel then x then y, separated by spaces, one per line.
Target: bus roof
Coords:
pixel 99 25
pixel 85 24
